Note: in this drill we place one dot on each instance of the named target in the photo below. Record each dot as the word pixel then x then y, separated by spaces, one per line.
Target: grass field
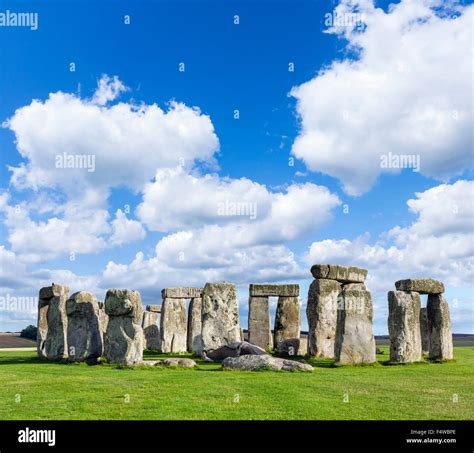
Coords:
pixel 30 389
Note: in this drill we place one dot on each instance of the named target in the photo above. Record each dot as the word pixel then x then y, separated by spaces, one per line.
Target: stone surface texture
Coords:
pixel 259 328
pixel 264 362
pixel 194 326
pixel 287 320
pixel 173 326
pixel 420 285
pixel 439 324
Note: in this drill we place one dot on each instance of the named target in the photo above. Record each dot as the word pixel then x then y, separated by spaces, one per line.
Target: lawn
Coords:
pixel 32 389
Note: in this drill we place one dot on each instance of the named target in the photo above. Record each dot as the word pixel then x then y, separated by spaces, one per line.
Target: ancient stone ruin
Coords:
pixel 220 316
pixel 150 327
pixel 194 325
pixel 123 341
pixel 173 323
pixel 84 338
pixel 52 322
pixel 340 313
pixel 410 332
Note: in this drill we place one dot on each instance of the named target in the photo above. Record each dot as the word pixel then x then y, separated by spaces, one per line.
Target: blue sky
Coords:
pixel 400 85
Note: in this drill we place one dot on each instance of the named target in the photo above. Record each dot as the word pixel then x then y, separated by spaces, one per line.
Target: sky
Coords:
pixel 155 144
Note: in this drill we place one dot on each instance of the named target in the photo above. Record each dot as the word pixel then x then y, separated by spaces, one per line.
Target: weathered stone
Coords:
pixel 355 341
pixel 267 289
pixel 180 362
pixel 288 347
pixel 103 320
pixel 439 324
pixel 151 330
pixel 181 293
pixel 234 350
pixel 287 320
pixel 404 326
pixel 52 322
pixel 358 286
pixel 303 349
pixel 194 325
pixel 173 325
pixel 154 308
pixel 321 311
pixel 220 316
pixel 84 338
pixel 420 285
pixel 425 331
pixel 123 339
pixel 344 274
pixel 264 362
pixel 260 332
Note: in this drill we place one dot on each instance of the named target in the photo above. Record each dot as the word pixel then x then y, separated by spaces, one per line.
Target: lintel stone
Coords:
pixel 420 285
pixel 271 290
pixel 181 293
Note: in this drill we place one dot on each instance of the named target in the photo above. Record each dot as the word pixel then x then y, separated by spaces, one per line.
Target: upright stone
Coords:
pixel 439 324
pixel 287 320
pixel 150 330
pixel 259 331
pixel 220 316
pixel 173 325
pixel 321 311
pixel 425 331
pixel 52 322
pixel 124 341
pixel 404 326
pixel 84 338
pixel 194 325
pixel 103 319
pixel 355 341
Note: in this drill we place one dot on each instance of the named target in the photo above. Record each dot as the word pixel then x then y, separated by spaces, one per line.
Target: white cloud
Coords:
pixel 125 230
pixel 407 93
pixel 108 89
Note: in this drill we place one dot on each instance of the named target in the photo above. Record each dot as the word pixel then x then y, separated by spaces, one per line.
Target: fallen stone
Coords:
pixel 259 331
pixel 343 274
pixel 84 337
pixel 180 362
pixel 272 290
pixel 151 330
pixel 287 320
pixel 194 326
pixel 264 362
pixel 220 316
pixel 52 322
pixel 404 326
pixel 181 293
pixel 234 350
pixel 420 285
pixel 439 324
pixel 154 308
pixel 321 311
pixel 355 343
pixel 425 331
pixel 173 326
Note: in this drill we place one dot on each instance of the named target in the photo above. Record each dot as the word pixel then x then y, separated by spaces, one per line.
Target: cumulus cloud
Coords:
pixel 405 93
pixel 125 230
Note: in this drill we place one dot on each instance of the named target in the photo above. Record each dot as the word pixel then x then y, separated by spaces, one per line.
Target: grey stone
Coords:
pixel 344 274
pixel 321 311
pixel 303 349
pixel 264 362
pixel 181 293
pixel 84 337
pixel 234 350
pixel 420 285
pixel 287 320
pixel 359 286
pixel 123 339
pixel 52 322
pixel 268 289
pixel 220 316
pixel 260 332
pixel 355 343
pixel 404 326
pixel 151 330
pixel 154 308
pixel 103 320
pixel 179 362
pixel 288 347
pixel 425 331
pixel 173 325
pixel 439 324
pixel 194 325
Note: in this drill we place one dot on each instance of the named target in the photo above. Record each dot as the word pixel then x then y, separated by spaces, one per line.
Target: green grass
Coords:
pixel 79 391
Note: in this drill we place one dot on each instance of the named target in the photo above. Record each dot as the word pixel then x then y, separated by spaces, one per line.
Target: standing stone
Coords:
pixel 439 324
pixel 220 316
pixel 287 320
pixel 355 341
pixel 260 332
pixel 83 331
pixel 150 330
pixel 103 319
pixel 425 331
pixel 123 341
pixel 194 325
pixel 52 322
pixel 173 325
pixel 404 326
pixel 321 311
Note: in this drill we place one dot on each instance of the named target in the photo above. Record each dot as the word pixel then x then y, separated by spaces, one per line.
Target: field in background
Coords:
pixel 13 340
pixel 33 389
